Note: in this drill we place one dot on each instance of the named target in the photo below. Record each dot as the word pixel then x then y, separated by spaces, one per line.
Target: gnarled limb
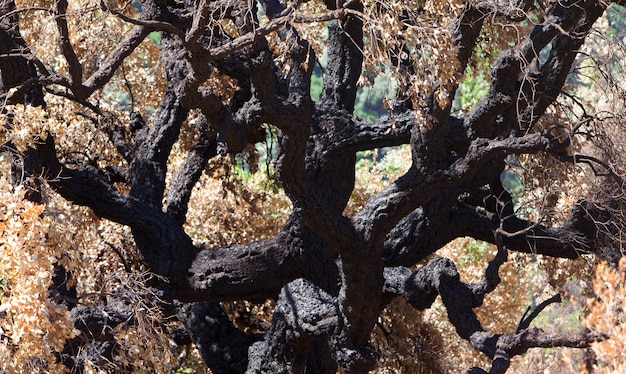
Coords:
pixel 223 347
pixel 440 277
pixel 303 313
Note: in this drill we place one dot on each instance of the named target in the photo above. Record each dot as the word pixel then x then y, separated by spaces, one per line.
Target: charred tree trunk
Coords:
pixel 331 275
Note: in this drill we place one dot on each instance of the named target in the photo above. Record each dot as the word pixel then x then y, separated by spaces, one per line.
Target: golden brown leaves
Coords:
pixel 32 327
pixel 417 33
pixel 607 316
pixel 231 205
pixel 23 125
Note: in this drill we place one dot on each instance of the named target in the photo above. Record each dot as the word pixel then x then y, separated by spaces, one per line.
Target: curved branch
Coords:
pixel 345 59
pixel 575 237
pixel 153 25
pixel 440 277
pixel 75 68
pixel 491 279
pixel 529 316
pixel 443 219
pixel 183 181
pixel 223 347
pixel 417 187
pixel 496 113
pixel 109 66
pixel 541 89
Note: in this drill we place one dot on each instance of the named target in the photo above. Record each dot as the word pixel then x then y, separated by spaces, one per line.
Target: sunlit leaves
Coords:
pixel 413 35
pixel 23 125
pixel 32 326
pixel 607 317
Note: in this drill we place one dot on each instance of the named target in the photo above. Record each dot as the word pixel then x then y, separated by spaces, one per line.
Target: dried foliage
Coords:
pixel 33 326
pixel 241 204
pixel 99 114
pixel 606 315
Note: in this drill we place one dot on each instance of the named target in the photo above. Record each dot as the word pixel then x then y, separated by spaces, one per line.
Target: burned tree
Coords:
pixel 330 274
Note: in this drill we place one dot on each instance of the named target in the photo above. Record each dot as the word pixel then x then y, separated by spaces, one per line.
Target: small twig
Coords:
pixel 23 10
pixel 283 18
pixel 128 87
pixel 152 24
pixel 590 160
pixel 121 257
pixel 529 316
pixel 78 100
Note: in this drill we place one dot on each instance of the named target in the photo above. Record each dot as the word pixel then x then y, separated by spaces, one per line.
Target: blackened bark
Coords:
pixel 331 274
pixel 440 277
pixel 187 176
pixel 223 347
pixel 303 315
pixel 345 52
pixel 15 66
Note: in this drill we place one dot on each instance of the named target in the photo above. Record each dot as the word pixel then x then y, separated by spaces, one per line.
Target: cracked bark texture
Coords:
pixel 331 275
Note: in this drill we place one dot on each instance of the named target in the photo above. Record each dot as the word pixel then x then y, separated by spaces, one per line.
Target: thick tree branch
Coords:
pixel 74 65
pixel 359 135
pixel 540 89
pixel 17 68
pixel 188 174
pixel 171 258
pixel 440 277
pixel 345 57
pixel 292 112
pixel 255 271
pixel 223 347
pixel 465 30
pixel 445 218
pixel 109 66
pixel 149 165
pixel 575 237
pixel 496 112
pixel 415 188
pixel 321 262
pixel 303 313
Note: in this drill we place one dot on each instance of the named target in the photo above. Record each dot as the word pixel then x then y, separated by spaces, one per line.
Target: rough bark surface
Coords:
pixel 331 275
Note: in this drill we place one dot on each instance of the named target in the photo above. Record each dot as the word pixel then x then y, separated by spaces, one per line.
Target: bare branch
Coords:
pixel 74 65
pixel 153 25
pixel 528 316
pixel 200 19
pixel 501 101
pixel 17 11
pixel 188 174
pixel 108 67
pixel 491 279
pixel 274 24
pixel 592 162
pixel 439 276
